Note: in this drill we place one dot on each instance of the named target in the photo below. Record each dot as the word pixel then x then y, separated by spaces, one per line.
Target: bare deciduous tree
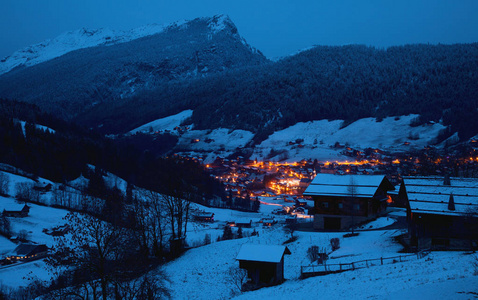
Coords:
pixel 26 193
pixel 93 245
pixel 237 277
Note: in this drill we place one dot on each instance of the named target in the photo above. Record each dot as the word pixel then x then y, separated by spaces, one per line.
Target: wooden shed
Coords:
pixel 264 263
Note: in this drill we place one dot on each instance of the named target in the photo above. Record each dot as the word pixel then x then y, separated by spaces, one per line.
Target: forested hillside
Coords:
pixel 348 82
pixel 64 154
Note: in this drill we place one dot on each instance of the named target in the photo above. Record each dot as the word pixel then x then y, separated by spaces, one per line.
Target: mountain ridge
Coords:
pixel 87 37
pixel 80 79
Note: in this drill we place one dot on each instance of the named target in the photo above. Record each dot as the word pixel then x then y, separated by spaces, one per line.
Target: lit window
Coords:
pixel 341 205
pixel 326 204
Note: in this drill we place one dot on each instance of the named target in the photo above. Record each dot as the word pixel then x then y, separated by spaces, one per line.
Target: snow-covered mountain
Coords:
pixel 96 66
pixel 85 38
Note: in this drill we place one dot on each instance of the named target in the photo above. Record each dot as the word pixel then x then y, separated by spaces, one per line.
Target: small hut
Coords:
pixel 264 263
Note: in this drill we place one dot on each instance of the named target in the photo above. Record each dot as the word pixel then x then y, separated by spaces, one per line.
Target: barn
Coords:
pixel 15 210
pixel 204 217
pixel 341 201
pixel 264 264
pixel 442 213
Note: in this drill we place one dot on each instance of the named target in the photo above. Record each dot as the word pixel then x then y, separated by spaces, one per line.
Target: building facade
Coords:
pixel 342 201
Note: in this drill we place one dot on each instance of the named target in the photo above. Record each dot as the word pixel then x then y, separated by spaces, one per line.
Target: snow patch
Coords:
pixel 41 127
pixel 219 23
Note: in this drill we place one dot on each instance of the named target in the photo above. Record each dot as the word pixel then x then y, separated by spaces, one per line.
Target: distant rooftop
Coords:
pixel 431 195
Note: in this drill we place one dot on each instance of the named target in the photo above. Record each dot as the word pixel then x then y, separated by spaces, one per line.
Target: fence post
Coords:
pixel 340 267
pixel 400 258
pixel 381 260
pixel 366 262
pixel 353 266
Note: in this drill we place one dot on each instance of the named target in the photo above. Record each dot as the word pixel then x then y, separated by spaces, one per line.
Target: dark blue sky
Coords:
pixel 276 27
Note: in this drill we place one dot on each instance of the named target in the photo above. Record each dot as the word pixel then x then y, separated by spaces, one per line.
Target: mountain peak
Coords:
pixel 219 23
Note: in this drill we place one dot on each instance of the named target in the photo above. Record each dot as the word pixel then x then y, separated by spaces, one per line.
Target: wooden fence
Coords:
pixel 318 270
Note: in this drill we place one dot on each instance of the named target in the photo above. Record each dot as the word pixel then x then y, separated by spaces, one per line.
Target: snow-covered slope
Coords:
pixel 74 40
pixel 37 126
pixel 318 137
pixel 168 123
pixel 441 273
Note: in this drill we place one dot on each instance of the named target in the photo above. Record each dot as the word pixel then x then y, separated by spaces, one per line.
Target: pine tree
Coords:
pixel 227 233
pixel 239 233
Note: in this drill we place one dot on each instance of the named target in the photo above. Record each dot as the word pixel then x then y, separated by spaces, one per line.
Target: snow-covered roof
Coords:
pixel 243 221
pixel 11 206
pixel 27 249
pixel 262 253
pixel 458 186
pixel 339 185
pixel 430 195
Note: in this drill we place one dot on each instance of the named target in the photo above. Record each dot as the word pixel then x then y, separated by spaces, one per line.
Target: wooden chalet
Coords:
pixel 268 222
pixel 26 252
pixel 245 223
pixel 341 201
pixel 264 264
pixel 204 217
pixel 441 213
pixel 16 211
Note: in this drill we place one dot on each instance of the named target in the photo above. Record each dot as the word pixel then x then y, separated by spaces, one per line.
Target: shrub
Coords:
pixel 335 243
pixel 313 253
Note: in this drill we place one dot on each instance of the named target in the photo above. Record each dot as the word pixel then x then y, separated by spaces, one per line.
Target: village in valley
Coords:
pixel 285 224
pixel 312 150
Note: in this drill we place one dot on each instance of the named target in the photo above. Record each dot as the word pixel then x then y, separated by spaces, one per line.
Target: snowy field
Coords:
pixel 40 217
pixel 440 273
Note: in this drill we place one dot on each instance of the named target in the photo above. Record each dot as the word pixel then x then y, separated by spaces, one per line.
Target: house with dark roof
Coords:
pixel 342 201
pixel 27 252
pixel 16 211
pixel 204 217
pixel 264 264
pixel 442 213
